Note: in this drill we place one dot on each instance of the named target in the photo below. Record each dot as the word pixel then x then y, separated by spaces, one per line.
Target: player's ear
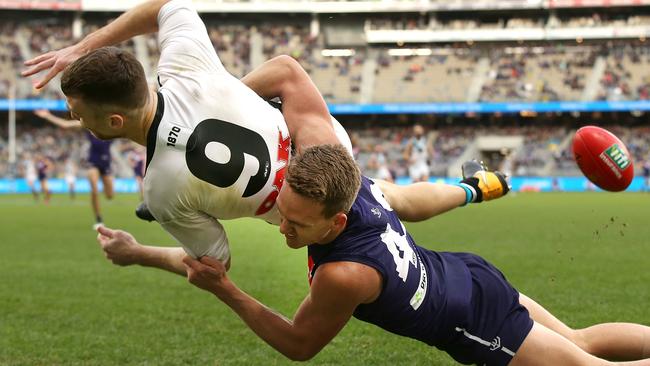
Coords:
pixel 340 220
pixel 117 121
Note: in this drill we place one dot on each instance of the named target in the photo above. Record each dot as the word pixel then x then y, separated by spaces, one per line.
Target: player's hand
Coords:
pixel 119 247
pixel 485 184
pixel 206 273
pixel 55 61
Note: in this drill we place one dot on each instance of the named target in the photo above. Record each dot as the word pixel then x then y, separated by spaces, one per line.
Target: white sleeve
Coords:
pixel 200 235
pixel 342 135
pixel 184 41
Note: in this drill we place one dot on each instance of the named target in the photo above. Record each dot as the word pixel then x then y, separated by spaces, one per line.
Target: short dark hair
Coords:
pixel 107 75
pixel 326 174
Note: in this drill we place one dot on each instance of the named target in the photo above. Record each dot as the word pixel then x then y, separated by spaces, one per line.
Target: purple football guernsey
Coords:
pixel 415 299
pixel 447 300
pixel 41 169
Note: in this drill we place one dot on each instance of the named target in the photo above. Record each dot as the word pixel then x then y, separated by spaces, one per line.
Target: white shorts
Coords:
pixel 69 179
pixel 417 171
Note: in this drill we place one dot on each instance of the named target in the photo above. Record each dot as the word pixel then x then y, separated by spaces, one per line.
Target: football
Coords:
pixel 603 158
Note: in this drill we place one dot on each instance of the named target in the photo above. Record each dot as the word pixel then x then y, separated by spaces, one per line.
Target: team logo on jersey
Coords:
pixel 284 144
pixel 375 211
pixel 496 344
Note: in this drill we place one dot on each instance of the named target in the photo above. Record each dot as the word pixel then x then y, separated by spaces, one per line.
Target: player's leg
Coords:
pixel 543 346
pixel 71 183
pixel 45 190
pixel 613 341
pixel 413 173
pixel 424 172
pixel 107 179
pixel 93 178
pixel 31 182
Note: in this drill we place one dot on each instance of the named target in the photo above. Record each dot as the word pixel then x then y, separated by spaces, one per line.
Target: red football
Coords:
pixel 603 158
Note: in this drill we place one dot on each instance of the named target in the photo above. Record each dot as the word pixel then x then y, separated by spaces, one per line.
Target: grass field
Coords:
pixel 586 257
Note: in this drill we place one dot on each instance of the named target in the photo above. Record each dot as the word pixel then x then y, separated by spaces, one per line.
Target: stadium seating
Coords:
pixel 373 73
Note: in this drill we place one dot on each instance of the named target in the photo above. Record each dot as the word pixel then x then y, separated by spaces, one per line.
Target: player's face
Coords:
pixel 301 220
pixel 97 123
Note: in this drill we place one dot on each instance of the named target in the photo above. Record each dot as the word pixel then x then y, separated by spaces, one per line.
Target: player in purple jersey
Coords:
pixel 43 168
pixel 98 160
pixel 364 264
pixel 137 157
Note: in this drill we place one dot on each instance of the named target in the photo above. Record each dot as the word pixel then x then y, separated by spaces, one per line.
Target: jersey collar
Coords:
pixel 153 129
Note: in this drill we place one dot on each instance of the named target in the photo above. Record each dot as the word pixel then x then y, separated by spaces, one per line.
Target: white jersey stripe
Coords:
pixel 473 337
pixel 494 345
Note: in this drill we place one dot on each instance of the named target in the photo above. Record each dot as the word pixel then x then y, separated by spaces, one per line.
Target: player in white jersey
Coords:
pixel 70 175
pixel 216 150
pixel 216 137
pixel 29 171
pixel 416 154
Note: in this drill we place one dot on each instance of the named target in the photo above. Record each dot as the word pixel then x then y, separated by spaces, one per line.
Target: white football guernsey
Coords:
pixel 215 150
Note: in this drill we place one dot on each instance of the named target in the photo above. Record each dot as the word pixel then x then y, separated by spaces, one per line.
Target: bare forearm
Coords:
pixel 58 121
pixel 167 258
pixel 440 198
pixel 142 19
pixel 272 327
pixel 421 201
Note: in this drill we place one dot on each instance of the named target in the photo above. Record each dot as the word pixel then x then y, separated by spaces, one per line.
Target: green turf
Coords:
pixel 584 256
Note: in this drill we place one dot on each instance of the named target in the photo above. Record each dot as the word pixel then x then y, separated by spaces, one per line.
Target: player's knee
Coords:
pixel 580 338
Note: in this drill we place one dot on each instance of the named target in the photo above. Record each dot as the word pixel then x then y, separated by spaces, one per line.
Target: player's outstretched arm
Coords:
pixel 421 201
pixel 303 107
pixel 336 290
pixel 58 121
pixel 121 248
pixel 141 19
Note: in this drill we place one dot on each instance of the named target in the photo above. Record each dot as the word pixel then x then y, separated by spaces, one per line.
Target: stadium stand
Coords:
pixel 491 70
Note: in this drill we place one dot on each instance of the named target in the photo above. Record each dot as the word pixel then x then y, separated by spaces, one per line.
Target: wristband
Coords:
pixel 470 193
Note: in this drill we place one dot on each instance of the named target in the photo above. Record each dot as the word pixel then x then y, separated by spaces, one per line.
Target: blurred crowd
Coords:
pixel 380 151
pixel 504 21
pixel 467 72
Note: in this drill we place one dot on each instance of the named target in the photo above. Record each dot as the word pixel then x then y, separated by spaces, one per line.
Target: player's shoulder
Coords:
pixel 347 278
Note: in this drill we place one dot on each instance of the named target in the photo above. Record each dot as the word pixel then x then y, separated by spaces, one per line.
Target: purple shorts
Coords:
pixel 104 167
pixel 496 324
